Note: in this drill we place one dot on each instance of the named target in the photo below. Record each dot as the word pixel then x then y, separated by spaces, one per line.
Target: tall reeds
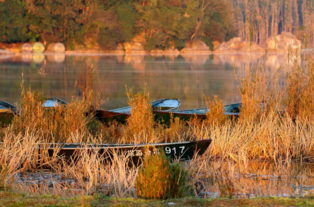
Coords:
pixel 141 121
pixel 54 124
pixel 215 114
pixel 300 91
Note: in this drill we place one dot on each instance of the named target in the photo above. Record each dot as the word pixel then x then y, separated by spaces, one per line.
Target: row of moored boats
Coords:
pixel 163 109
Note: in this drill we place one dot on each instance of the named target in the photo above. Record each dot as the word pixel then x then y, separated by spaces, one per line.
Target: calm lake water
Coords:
pixel 187 77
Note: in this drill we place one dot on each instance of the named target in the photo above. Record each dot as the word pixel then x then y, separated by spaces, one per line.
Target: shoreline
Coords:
pixel 67 53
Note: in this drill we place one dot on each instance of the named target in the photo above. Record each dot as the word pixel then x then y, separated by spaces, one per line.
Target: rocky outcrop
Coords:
pixel 285 42
pixel 5 52
pixel 136 45
pixel 133 47
pixel 172 51
pixel 27 48
pixel 119 49
pixel 196 47
pixel 56 47
pixel 237 45
pixel 216 44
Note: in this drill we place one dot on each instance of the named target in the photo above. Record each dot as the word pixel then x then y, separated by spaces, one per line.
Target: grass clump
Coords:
pixel 141 121
pixel 299 100
pixel 215 114
pixel 176 131
pixel 159 179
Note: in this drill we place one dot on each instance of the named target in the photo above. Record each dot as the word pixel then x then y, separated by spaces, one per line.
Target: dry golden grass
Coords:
pixel 177 130
pixel 215 115
pixel 52 125
pixel 141 121
pixel 300 91
pixel 260 93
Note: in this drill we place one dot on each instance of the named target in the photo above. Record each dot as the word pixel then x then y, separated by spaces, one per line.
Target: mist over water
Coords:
pixel 187 77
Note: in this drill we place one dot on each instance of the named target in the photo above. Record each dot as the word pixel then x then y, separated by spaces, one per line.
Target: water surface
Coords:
pixel 187 77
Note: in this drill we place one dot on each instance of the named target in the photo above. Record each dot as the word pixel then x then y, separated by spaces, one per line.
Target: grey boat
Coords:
pixel 121 114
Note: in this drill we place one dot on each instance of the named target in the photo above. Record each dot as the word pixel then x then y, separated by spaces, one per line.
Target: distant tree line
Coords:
pixel 164 23
pixel 262 19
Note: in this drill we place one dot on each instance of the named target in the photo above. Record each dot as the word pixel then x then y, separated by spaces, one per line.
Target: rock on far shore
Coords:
pixel 118 50
pixel 216 44
pixel 5 52
pixel 285 42
pixel 237 45
pixel 196 47
pixel 136 44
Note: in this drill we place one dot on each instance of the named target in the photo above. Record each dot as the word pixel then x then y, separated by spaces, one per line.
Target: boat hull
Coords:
pixel 6 118
pixel 109 117
pixel 120 115
pixel 175 151
pixel 7 112
pixel 165 117
pixel 231 111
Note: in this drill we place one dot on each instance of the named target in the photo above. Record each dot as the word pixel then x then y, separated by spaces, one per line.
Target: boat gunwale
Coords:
pixel 58 100
pixel 197 114
pixel 10 107
pixel 70 146
pixel 152 103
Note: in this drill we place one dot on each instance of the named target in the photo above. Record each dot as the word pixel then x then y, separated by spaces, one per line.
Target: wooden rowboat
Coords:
pixel 176 150
pixel 231 110
pixel 53 102
pixel 7 112
pixel 7 107
pixel 120 115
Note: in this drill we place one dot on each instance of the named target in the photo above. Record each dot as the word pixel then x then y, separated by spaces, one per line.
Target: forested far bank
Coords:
pixel 162 23
pixel 155 24
pixel 261 19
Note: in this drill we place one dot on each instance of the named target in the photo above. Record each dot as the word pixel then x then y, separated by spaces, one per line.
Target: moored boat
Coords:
pixel 53 102
pixel 231 110
pixel 121 114
pixel 7 112
pixel 176 150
